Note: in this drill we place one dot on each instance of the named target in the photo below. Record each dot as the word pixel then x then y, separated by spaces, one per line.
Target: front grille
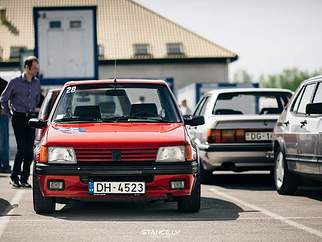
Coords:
pixel 106 155
pixel 146 179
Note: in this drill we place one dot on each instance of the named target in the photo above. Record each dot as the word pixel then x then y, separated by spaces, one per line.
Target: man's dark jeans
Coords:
pixel 25 137
pixel 4 142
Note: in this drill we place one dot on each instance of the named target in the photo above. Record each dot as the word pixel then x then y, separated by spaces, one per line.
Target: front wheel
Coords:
pixel 286 183
pixel 191 203
pixel 205 175
pixel 42 205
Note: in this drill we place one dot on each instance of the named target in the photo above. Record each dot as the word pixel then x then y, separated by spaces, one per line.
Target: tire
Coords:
pixel 205 175
pixel 191 204
pixel 286 183
pixel 42 205
pixel 272 174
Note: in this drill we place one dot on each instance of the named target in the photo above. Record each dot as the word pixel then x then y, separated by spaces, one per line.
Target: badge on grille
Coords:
pixel 116 155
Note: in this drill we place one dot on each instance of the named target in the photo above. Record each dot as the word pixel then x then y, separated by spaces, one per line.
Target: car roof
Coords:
pixel 121 81
pixel 312 79
pixel 234 90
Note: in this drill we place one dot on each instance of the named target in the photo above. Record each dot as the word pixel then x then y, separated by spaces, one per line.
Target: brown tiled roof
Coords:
pixel 120 24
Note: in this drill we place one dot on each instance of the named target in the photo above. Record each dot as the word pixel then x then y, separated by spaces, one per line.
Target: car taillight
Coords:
pixel 240 135
pixel 214 136
pixel 225 135
pixel 42 154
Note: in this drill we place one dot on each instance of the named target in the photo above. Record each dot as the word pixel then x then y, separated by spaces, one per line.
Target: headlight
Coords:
pixel 61 155
pixel 171 153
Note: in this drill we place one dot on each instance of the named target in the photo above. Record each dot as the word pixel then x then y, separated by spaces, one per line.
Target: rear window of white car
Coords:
pixel 261 103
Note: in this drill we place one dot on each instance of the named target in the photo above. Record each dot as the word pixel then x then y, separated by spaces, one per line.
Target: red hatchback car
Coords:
pixel 118 139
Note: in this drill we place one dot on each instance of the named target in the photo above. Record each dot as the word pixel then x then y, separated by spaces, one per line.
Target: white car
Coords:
pixel 237 134
pixel 297 138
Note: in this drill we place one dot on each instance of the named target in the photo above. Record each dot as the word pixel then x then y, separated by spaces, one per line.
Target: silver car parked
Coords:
pixel 237 133
pixel 298 138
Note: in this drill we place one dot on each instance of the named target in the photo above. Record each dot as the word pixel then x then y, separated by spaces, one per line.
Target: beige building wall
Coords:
pixel 183 74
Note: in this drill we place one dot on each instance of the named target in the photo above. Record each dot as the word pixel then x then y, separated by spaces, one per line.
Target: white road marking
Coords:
pixel 5 219
pixel 268 213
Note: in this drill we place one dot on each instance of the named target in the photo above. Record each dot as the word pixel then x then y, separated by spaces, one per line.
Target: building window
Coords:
pixel 15 52
pixel 55 24
pixel 75 24
pixel 175 48
pixel 142 49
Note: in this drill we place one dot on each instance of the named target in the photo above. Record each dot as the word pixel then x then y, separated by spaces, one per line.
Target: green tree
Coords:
pixel 242 76
pixel 288 78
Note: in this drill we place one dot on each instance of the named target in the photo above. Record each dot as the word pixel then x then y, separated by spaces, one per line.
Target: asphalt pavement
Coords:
pixel 234 207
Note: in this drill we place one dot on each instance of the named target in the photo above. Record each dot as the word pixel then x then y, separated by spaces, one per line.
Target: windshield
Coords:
pixel 125 103
pixel 262 103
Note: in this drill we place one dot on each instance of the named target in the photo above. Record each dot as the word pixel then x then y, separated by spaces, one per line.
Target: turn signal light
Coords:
pixel 190 153
pixel 225 135
pixel 42 154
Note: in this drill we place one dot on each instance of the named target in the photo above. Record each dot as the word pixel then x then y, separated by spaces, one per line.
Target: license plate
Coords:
pixel 258 136
pixel 116 187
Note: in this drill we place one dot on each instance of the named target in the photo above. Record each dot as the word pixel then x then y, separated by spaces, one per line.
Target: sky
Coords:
pixel 268 36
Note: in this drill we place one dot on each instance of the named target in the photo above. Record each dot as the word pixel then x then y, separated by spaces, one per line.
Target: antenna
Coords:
pixel 115 74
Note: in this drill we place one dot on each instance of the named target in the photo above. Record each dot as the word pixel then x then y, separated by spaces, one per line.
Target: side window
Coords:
pixel 306 98
pixel 318 94
pixel 45 108
pixel 295 104
pixel 199 106
pixel 203 109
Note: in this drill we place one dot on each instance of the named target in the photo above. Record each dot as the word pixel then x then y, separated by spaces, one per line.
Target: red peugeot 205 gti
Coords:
pixel 117 139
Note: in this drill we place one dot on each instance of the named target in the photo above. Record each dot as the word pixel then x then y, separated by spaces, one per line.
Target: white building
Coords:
pixel 145 44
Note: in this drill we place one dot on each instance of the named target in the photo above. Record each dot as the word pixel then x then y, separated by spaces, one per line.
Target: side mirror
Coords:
pixel 193 120
pixel 37 123
pixel 314 108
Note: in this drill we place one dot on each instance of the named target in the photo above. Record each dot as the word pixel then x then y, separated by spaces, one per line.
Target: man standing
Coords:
pixel 19 101
pixel 184 108
pixel 4 136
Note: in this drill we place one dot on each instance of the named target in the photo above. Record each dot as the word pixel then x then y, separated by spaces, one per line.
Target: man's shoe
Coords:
pixel 14 183
pixel 25 185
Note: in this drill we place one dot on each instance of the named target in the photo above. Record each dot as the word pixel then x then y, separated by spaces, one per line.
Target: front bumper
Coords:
pixel 228 156
pixel 156 176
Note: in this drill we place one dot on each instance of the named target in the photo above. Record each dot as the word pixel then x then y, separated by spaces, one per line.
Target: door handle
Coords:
pixel 287 123
pixel 192 127
pixel 303 123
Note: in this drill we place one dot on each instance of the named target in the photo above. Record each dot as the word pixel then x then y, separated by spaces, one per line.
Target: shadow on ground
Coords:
pixel 211 210
pixel 264 182
pixel 5 207
pixel 312 192
pixel 253 182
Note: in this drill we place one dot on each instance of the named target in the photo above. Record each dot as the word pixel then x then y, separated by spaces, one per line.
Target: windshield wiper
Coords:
pixel 77 119
pixel 115 118
pixel 150 119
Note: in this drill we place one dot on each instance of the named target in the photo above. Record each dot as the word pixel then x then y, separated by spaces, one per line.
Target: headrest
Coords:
pixel 227 112
pixel 107 107
pixel 88 112
pixel 144 110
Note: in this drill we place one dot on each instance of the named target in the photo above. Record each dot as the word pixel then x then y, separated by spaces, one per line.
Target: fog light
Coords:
pixel 56 185
pixel 177 184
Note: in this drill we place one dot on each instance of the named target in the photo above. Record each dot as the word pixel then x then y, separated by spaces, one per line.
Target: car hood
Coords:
pixel 115 135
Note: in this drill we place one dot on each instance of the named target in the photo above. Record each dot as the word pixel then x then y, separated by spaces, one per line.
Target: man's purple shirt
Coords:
pixel 21 95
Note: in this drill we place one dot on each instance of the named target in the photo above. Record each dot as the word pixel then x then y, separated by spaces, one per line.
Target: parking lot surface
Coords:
pixel 234 207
